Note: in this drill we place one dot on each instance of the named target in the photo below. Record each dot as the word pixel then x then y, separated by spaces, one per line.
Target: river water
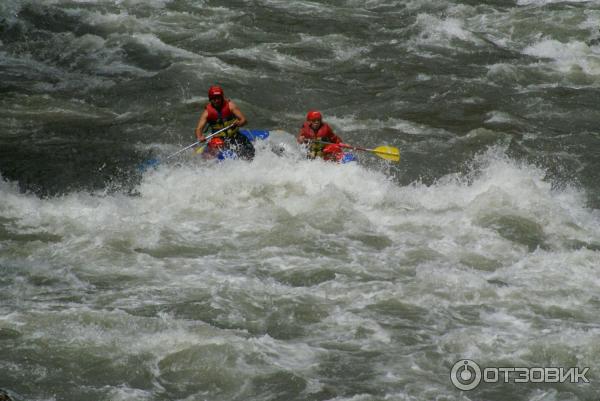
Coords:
pixel 283 278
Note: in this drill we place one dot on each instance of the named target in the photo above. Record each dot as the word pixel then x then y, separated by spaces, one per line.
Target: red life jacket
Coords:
pixel 333 152
pixel 324 133
pixel 218 119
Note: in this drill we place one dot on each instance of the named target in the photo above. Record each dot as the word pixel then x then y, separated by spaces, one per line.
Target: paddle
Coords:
pixel 154 162
pixel 385 152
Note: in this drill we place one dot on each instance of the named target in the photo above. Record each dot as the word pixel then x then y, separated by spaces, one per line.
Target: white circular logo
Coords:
pixel 465 375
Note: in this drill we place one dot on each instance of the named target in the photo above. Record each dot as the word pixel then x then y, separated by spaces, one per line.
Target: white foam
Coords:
pixel 269 53
pixel 498 117
pixel 124 393
pixel 353 123
pixel 191 192
pixel 343 47
pixel 544 2
pixel 567 57
pixel 268 216
pixel 301 7
pixel 441 32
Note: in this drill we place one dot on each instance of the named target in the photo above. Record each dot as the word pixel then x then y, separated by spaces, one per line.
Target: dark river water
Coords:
pixel 285 278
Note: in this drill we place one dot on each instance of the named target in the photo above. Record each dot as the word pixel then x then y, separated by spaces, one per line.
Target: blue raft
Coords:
pixel 256 134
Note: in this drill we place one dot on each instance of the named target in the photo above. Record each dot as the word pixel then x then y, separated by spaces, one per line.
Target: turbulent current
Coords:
pixel 292 279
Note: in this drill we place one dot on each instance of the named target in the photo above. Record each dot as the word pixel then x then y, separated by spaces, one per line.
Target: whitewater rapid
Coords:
pixel 283 278
pixel 210 278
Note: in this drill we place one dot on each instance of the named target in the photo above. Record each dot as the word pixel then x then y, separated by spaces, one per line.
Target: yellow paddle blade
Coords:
pixel 200 149
pixel 388 153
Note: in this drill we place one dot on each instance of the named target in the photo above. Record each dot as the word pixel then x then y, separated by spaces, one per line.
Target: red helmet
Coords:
pixel 215 91
pixel 215 143
pixel 314 115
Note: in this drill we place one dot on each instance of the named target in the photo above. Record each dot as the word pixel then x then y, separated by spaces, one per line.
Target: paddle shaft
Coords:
pixel 198 142
pixel 343 145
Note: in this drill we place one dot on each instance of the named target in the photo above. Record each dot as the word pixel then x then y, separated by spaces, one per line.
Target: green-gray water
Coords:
pixel 283 278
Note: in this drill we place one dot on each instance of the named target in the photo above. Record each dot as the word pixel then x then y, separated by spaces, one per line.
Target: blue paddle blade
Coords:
pixel 151 163
pixel 253 134
pixel 347 158
pixel 227 154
